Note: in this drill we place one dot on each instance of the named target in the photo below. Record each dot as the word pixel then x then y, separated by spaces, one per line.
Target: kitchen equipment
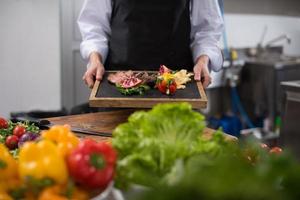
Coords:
pixel 260 89
pixel 290 134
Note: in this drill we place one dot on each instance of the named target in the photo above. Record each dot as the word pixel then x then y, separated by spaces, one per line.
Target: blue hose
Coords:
pixel 225 41
pixel 237 106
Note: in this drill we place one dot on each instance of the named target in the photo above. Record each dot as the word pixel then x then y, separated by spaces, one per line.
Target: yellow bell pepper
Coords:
pixel 59 193
pixel 8 170
pixel 10 185
pixel 63 137
pixel 42 160
pixel 5 196
pixel 8 165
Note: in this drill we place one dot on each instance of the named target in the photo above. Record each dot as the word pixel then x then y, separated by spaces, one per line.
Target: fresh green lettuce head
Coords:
pixel 150 142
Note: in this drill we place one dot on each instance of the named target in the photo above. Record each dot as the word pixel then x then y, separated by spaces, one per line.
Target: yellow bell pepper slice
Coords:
pixel 42 160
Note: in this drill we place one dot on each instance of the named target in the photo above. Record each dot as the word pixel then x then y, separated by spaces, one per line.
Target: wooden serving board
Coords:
pixel 105 94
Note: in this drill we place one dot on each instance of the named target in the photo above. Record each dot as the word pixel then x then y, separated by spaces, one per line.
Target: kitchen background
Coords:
pixel 40 63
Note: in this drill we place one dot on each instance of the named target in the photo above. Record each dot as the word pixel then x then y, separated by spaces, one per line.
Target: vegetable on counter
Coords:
pixel 163 149
pixel 59 192
pixel 19 130
pixel 229 175
pixel 42 161
pixel 92 164
pixel 8 166
pixel 12 142
pixel 9 178
pixel 11 134
pixel 27 137
pixel 3 123
pixel 5 196
pixel 151 142
pixel 65 140
pixel 46 169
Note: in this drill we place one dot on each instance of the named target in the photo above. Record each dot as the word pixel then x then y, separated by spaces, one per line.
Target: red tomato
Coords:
pixel 166 88
pixel 19 131
pixel 3 123
pixel 276 150
pixel 162 86
pixel 12 142
pixel 173 88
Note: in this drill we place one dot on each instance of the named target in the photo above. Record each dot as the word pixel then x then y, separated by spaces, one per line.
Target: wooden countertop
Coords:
pixel 104 122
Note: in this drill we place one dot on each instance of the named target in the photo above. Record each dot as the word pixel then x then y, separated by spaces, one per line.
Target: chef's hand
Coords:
pixel 94 71
pixel 201 71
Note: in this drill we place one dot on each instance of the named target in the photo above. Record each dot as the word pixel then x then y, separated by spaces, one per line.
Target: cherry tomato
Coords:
pixel 167 88
pixel 3 123
pixel 173 88
pixel 12 142
pixel 276 150
pixel 162 86
pixel 19 131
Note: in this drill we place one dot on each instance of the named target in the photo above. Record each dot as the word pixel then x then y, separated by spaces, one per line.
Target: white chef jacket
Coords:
pixel 206 29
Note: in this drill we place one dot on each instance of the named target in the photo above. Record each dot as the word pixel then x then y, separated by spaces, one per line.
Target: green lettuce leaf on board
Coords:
pixel 138 90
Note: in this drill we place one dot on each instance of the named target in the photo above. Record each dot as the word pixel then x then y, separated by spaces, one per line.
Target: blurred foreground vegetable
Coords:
pixel 3 123
pixel 151 142
pixel 8 168
pixel 230 175
pixel 65 140
pixel 40 161
pixel 92 164
pixel 12 142
pixel 11 134
pixel 40 171
pixel 5 196
pixel 27 137
pixel 58 192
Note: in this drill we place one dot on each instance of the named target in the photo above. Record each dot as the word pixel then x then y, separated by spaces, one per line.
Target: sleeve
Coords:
pixel 94 25
pixel 206 30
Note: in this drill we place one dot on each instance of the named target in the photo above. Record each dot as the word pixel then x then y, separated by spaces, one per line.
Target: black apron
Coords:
pixel 148 33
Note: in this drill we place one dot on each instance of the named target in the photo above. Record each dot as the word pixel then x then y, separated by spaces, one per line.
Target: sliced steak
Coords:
pixel 131 82
pixel 130 79
pixel 117 78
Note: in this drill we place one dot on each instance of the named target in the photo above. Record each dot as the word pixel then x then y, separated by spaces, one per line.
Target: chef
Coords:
pixel 143 34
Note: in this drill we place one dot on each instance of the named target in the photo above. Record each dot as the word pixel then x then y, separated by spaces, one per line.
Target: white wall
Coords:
pixel 246 30
pixel 29 55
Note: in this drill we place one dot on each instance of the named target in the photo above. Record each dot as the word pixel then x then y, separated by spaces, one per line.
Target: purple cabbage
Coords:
pixel 27 137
